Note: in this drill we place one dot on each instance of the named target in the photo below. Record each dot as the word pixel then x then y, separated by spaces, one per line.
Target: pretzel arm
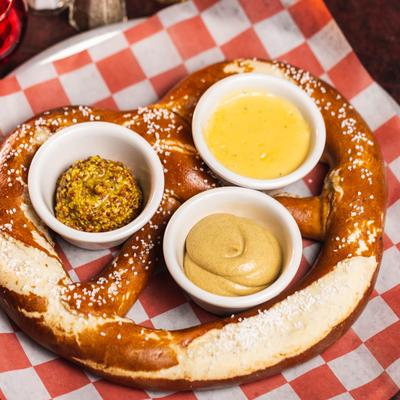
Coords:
pixel 309 213
pixel 105 293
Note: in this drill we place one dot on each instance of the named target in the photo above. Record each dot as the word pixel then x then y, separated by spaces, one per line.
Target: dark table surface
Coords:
pixel 371 26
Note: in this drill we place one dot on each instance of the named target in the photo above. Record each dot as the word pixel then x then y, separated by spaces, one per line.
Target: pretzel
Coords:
pixel 84 322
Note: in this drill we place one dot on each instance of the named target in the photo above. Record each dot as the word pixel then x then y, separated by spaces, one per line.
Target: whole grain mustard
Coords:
pixel 97 195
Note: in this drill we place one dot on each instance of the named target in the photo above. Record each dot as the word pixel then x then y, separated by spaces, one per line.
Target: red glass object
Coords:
pixel 12 25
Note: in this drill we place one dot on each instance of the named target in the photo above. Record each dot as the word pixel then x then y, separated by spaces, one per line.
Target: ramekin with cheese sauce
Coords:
pixel 258 131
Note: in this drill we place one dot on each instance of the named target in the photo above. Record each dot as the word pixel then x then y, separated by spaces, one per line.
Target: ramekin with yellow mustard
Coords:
pixel 232 248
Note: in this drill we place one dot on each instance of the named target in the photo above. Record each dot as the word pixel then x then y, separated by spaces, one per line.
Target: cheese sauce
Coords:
pixel 258 135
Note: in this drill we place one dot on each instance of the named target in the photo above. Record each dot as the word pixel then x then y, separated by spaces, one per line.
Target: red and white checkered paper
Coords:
pixel 136 67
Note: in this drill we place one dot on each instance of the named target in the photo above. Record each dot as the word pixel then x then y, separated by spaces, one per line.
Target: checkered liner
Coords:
pixel 135 68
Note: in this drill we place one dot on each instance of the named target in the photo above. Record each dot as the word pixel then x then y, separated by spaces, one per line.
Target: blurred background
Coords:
pixel 28 27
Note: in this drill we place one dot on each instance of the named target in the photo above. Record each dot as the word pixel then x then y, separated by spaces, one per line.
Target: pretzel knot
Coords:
pixel 84 322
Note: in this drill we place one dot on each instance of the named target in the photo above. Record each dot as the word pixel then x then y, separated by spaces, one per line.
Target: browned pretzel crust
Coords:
pixel 84 322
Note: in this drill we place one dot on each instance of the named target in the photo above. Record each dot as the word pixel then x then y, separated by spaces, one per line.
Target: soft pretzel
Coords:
pixel 84 322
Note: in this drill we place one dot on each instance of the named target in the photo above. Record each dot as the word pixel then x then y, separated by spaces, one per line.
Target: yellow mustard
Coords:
pixel 258 135
pixel 231 256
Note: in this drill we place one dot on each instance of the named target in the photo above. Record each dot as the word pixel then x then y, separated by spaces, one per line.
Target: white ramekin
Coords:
pixel 80 141
pixel 221 90
pixel 244 203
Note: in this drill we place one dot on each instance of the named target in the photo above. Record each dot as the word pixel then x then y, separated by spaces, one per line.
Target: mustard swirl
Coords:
pixel 231 256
